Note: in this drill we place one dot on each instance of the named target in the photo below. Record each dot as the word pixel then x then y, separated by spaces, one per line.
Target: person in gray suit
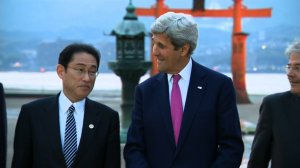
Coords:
pixel 69 130
pixel 277 134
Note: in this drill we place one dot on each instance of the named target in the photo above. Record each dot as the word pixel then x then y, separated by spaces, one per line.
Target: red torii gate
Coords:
pixel 237 12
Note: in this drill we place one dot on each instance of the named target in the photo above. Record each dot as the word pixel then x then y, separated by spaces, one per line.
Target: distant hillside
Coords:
pixel 33 50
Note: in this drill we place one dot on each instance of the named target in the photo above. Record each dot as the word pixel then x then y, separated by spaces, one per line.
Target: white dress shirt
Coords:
pixel 183 83
pixel 64 104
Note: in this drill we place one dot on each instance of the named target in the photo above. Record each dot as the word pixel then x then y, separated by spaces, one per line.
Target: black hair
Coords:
pixel 68 52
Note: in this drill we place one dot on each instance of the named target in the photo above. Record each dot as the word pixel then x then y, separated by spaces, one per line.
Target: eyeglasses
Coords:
pixel 295 68
pixel 81 72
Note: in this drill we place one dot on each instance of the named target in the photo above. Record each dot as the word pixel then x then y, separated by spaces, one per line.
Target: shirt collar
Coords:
pixel 65 103
pixel 185 73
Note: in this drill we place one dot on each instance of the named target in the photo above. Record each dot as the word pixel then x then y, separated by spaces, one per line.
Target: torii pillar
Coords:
pixel 237 12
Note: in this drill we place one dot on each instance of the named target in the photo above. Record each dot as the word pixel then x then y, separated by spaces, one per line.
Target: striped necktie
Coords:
pixel 70 144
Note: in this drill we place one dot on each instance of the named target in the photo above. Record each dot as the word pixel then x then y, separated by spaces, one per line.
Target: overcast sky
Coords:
pixel 36 15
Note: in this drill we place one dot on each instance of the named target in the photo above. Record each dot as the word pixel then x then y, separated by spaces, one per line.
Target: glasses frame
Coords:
pixel 80 72
pixel 288 68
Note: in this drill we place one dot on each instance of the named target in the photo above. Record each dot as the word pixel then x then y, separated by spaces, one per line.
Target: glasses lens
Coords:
pixel 287 68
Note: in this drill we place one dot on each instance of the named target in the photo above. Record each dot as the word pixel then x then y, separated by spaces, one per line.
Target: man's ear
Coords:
pixel 185 49
pixel 60 70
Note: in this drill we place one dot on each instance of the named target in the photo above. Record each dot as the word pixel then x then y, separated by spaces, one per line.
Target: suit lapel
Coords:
pixel 51 125
pixel 195 95
pixel 90 120
pixel 163 105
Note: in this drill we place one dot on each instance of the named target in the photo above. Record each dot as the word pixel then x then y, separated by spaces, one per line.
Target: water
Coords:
pixel 37 82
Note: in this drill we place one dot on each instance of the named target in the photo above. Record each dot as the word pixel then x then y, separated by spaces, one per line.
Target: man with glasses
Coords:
pixel 69 130
pixel 277 134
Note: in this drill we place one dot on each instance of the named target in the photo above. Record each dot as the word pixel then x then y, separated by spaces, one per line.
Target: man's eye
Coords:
pixel 161 46
pixel 80 70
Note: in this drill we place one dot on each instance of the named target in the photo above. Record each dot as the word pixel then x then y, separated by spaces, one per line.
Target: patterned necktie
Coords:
pixel 70 144
pixel 176 107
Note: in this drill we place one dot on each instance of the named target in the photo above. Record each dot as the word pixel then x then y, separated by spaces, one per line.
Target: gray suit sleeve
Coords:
pixel 261 146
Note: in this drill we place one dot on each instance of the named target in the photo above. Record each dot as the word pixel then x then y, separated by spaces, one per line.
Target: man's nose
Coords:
pixel 86 76
pixel 154 50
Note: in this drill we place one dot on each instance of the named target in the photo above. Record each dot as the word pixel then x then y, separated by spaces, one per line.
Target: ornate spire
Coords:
pixel 130 15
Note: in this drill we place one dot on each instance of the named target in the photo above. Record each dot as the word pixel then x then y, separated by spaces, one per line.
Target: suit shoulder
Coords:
pixel 209 72
pixel 41 101
pixel 277 96
pixel 34 107
pixel 101 107
pixel 152 80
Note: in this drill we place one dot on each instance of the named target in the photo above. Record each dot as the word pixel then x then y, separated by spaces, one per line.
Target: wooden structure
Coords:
pixel 237 12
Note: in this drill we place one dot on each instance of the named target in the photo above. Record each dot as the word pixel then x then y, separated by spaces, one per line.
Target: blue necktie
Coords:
pixel 70 144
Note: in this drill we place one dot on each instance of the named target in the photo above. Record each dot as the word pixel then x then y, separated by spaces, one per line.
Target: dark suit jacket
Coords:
pixel 38 144
pixel 210 133
pixel 277 135
pixel 3 128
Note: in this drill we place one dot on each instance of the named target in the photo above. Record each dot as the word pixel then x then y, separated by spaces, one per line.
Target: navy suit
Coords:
pixel 38 144
pixel 210 133
pixel 3 128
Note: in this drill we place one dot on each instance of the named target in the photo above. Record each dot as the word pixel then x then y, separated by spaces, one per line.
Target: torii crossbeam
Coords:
pixel 237 12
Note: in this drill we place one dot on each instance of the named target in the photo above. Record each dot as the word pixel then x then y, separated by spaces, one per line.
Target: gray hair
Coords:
pixel 180 28
pixel 293 48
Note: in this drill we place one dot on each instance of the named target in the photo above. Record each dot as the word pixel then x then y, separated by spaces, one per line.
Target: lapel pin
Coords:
pixel 91 126
pixel 199 87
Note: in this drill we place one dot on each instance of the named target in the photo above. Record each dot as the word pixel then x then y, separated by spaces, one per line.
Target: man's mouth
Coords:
pixel 85 86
